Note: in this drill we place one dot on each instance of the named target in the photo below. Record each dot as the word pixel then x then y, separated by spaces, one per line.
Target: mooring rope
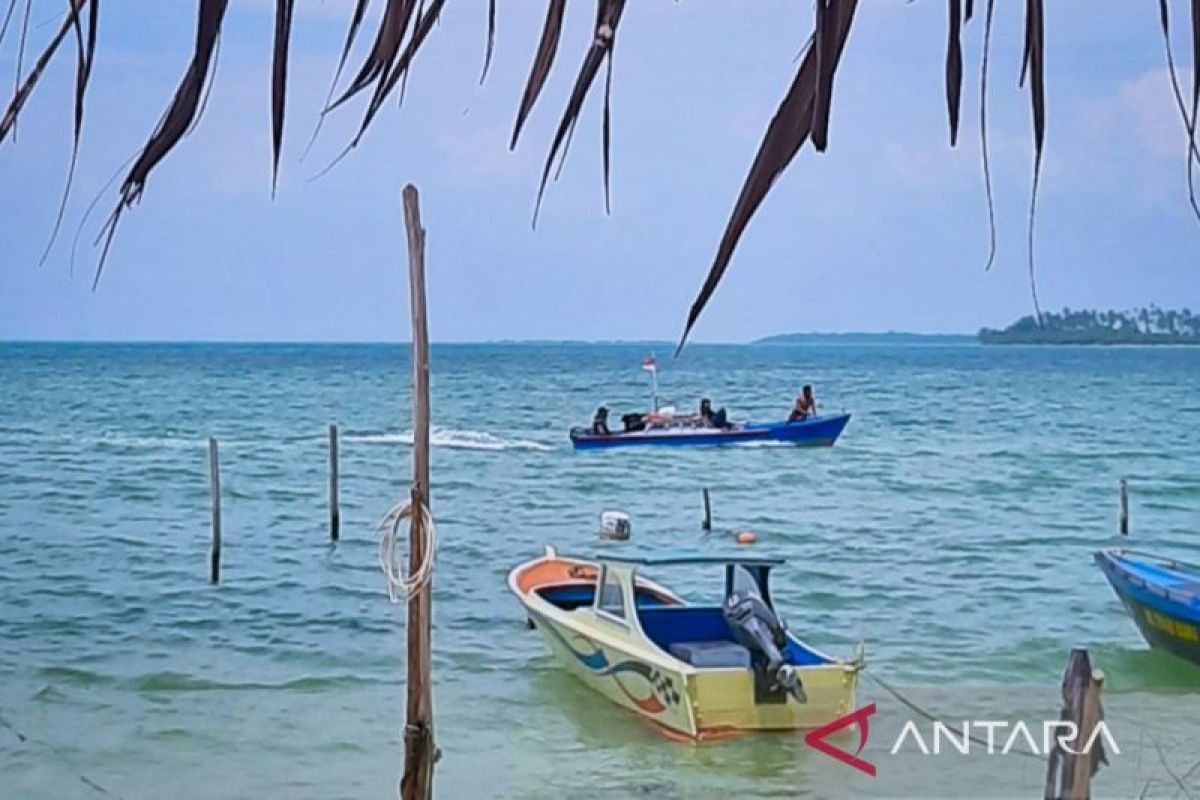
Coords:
pixel 931 717
pixel 84 779
pixel 398 582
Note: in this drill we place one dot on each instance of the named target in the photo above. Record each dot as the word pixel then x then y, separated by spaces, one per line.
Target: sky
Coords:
pixel 887 230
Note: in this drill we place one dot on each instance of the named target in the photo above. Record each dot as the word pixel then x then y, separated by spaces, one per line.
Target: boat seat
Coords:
pixel 711 654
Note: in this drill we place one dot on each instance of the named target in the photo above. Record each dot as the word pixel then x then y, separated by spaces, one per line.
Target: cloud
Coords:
pixel 1144 107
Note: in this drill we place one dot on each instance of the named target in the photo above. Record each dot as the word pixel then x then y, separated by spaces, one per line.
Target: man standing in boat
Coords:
pixel 805 407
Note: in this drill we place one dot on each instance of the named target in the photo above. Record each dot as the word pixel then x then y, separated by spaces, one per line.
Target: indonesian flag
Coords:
pixel 650 365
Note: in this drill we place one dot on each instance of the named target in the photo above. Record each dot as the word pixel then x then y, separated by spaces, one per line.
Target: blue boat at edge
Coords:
pixel 1162 596
pixel 814 432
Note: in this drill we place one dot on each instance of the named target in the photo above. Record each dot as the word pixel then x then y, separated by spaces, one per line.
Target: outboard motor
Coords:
pixel 756 628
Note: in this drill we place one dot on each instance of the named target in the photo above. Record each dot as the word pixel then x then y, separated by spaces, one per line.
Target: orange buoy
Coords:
pixel 746 537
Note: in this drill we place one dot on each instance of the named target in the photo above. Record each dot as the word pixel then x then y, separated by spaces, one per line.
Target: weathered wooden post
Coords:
pixel 707 522
pixel 1124 524
pixel 335 514
pixel 214 485
pixel 1069 771
pixel 419 752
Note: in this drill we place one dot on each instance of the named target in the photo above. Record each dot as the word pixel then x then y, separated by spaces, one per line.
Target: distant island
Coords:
pixel 1151 325
pixel 891 337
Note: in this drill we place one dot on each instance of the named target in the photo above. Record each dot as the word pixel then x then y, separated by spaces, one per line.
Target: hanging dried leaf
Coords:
pixel 392 27
pixel 399 70
pixel 83 72
pixel 954 68
pixel 824 38
pixel 491 40
pixel 983 129
pixel 970 11
pixel 789 129
pixel 1189 122
pixel 542 61
pixel 279 65
pixel 9 120
pixel 608 16
pixel 21 53
pixel 12 6
pixel 175 122
pixel 1035 49
pixel 607 134
pixel 360 9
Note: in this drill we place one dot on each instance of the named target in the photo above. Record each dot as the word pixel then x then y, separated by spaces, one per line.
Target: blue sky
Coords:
pixel 887 230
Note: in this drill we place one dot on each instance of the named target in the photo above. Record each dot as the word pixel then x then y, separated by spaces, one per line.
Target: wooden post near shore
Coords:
pixel 335 514
pixel 214 485
pixel 419 751
pixel 707 522
pixel 1124 523
pixel 1068 775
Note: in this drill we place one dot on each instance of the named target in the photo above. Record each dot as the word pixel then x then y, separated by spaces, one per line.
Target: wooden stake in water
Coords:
pixel 1069 771
pixel 707 522
pixel 335 514
pixel 419 752
pixel 1124 524
pixel 214 485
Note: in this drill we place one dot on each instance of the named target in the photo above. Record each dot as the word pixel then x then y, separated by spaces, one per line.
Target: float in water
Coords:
pixel 694 671
pixel 1162 596
pixel 820 431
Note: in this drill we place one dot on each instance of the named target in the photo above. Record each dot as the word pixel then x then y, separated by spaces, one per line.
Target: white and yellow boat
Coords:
pixel 695 672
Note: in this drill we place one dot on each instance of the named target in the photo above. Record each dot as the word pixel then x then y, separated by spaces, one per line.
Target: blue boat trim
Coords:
pixel 1162 597
pixel 815 432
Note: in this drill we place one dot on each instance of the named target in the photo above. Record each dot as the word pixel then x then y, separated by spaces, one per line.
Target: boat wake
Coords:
pixel 452 440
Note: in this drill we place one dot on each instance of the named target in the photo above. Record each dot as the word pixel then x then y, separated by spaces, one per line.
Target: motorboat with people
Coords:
pixel 664 426
pixel 695 672
pixel 661 428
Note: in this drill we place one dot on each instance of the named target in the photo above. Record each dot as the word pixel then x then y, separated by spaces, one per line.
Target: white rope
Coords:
pixel 398 582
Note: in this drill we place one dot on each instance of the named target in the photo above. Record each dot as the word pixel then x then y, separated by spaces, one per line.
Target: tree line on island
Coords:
pixel 1152 325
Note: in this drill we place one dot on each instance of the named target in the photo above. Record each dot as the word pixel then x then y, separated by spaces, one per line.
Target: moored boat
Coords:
pixel 1162 596
pixel 820 431
pixel 695 671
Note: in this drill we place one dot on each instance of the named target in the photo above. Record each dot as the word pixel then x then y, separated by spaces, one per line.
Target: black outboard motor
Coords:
pixel 756 628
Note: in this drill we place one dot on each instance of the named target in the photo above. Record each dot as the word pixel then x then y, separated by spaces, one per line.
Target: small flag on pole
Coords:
pixel 650 365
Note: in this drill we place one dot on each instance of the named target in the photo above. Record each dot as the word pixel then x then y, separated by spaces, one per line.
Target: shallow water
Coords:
pixel 951 528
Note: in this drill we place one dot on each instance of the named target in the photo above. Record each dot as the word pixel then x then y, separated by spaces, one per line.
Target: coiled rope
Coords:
pixel 398 581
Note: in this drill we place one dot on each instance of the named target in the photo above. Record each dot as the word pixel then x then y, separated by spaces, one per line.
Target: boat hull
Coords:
pixel 681 701
pixel 1158 597
pixel 818 432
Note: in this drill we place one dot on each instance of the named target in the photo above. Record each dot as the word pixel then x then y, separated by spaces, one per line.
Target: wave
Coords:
pixel 452 440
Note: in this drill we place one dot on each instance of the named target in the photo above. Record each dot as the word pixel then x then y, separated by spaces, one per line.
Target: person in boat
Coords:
pixel 633 422
pixel 600 422
pixel 710 418
pixel 805 407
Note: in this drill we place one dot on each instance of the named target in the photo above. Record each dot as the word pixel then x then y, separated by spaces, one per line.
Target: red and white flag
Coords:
pixel 650 365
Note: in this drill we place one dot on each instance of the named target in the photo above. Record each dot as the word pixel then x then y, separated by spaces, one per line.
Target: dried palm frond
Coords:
pixel 404 26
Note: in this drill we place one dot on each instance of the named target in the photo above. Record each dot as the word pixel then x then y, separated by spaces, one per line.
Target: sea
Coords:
pixel 950 531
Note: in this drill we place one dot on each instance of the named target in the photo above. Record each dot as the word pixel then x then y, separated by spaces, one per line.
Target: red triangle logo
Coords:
pixel 816 739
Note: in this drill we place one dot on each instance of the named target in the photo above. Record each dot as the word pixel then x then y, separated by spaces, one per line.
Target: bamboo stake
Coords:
pixel 706 524
pixel 335 514
pixel 419 753
pixel 1124 523
pixel 214 485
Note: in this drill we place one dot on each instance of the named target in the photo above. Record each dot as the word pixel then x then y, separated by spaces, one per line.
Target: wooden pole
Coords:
pixel 335 514
pixel 1069 771
pixel 419 752
pixel 214 485
pixel 707 523
pixel 1081 781
pixel 1124 524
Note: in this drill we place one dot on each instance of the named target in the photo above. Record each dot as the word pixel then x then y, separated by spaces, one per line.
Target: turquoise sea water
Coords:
pixel 951 528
